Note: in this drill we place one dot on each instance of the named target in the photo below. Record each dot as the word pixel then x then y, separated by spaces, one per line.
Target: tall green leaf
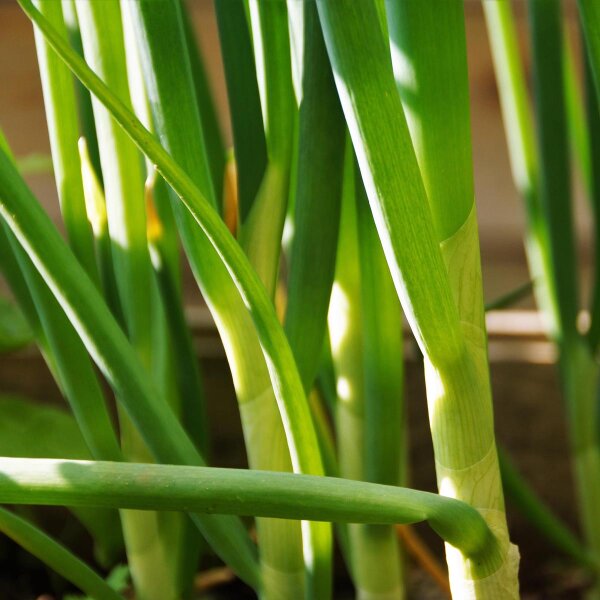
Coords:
pixel 428 278
pixel 63 128
pixel 244 101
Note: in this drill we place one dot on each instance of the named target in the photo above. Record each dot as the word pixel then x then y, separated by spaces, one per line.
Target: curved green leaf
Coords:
pixel 238 491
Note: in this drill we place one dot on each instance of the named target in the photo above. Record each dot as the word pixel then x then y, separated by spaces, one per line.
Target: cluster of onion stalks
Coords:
pixel 352 165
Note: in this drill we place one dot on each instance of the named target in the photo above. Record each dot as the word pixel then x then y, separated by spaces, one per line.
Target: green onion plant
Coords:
pixel 350 129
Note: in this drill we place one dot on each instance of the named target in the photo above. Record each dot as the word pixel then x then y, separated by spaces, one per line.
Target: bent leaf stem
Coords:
pixel 238 491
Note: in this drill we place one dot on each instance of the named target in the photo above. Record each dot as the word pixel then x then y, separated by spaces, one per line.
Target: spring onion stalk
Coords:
pixel 402 181
pixel 384 451
pixel 261 231
pixel 163 246
pixel 443 309
pixel 84 98
pixel 383 367
pixel 244 102
pixel 554 174
pixel 373 550
pixel 55 555
pixel 346 339
pixel 157 194
pixel 590 22
pixel 318 194
pixel 103 45
pixel 282 367
pixel 63 128
pixel 76 375
pixel 549 243
pixel 96 212
pixel 427 76
pixel 113 354
pixel 54 432
pixel 182 370
pixel 280 545
pixel 427 277
pixel 187 371
pixel 318 188
pixel 518 124
pixel 580 375
pixel 265 493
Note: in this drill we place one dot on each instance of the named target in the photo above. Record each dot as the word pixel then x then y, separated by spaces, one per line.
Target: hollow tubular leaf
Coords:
pixel 261 232
pixel 63 128
pixel 32 430
pixel 237 491
pixel 522 151
pixel 547 234
pixel 76 375
pixel 383 356
pixel 283 371
pixel 593 125
pixel 433 83
pixel 150 545
pixel 384 427
pixel 84 98
pixel 103 44
pixel 363 72
pixel 579 136
pixel 244 101
pixel 317 202
pixel 554 174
